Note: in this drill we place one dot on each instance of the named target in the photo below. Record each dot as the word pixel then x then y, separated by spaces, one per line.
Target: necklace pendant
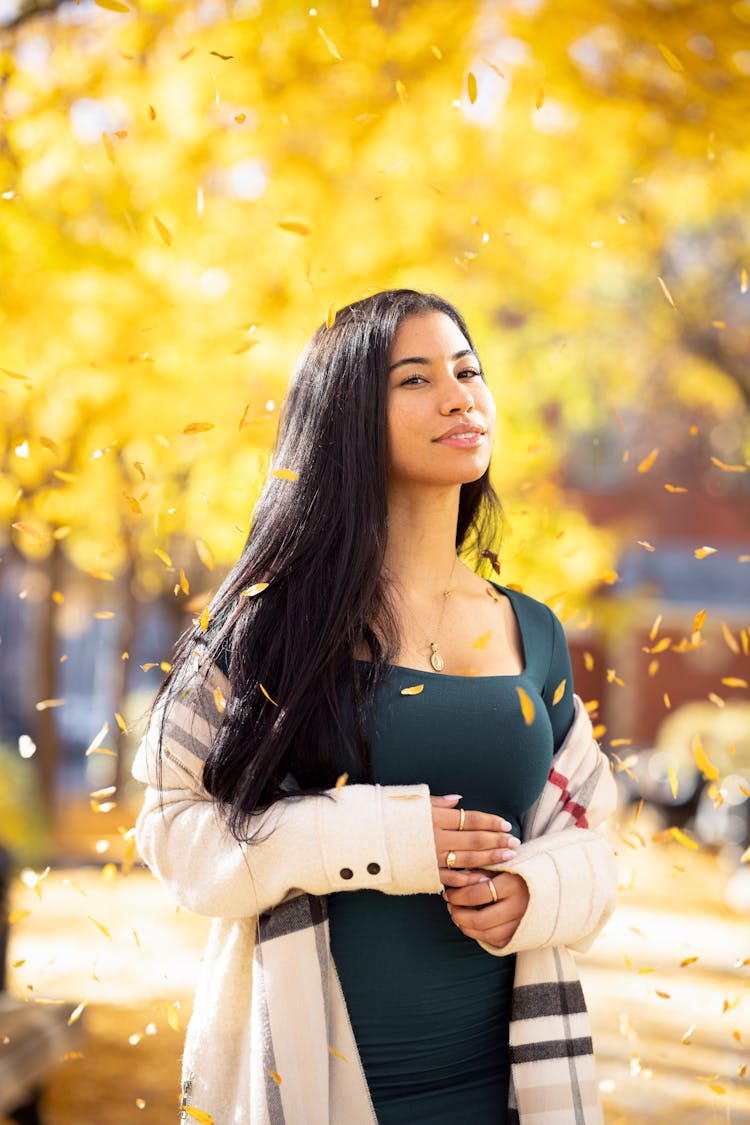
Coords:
pixel 436 659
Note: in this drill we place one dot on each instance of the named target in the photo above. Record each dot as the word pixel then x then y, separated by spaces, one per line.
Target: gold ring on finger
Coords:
pixel 462 814
pixel 450 859
pixel 493 892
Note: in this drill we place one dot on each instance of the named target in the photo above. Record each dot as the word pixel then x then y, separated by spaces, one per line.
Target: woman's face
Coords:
pixel 441 415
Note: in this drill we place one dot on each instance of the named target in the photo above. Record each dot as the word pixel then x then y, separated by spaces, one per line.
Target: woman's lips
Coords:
pixel 469 440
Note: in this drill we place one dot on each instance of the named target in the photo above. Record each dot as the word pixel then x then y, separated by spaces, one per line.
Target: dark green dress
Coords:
pixel 429 1007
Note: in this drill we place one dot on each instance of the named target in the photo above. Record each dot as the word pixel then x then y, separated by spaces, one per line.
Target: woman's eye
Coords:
pixel 412 381
pixel 470 373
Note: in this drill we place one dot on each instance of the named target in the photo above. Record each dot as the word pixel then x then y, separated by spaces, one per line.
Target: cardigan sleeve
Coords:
pixel 356 837
pixel 566 859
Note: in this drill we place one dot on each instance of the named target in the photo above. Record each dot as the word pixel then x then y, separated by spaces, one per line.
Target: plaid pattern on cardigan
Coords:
pixel 291 1058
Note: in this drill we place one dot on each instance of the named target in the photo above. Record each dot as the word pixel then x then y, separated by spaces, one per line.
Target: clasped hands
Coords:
pixel 484 839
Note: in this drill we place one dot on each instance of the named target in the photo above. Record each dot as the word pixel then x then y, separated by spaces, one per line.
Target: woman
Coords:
pixel 380 952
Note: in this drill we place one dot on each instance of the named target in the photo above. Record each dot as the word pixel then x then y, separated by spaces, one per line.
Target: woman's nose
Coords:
pixel 458 401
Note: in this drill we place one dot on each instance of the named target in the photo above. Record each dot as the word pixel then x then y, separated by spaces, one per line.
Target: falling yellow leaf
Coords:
pixel 240 117
pixel 29 529
pixel 220 702
pixel 184 584
pixel 341 780
pixel 268 697
pixel 337 1054
pixel 331 315
pixel 102 575
pixel 681 838
pixel 163 556
pixel 588 661
pixel 204 619
pixel 45 704
pixel 173 1015
pixel 285 474
pixel 330 44
pixel 112 5
pixel 729 468
pixel 734 681
pixel 707 768
pixel 666 292
pixel 716 1088
pixel 663 995
pixel 704 552
pixel 482 640
pixel 151 113
pixel 610 577
pixel 252 591
pixel 745 857
pixel 540 97
pixel 729 638
pixel 101 927
pixel 699 622
pixel 646 545
pixel 17 916
pixel 743 280
pixel 204 1118
pixel 670 58
pixel 218 54
pixel 402 91
pixel 673 783
pixel 559 692
pixel 471 85
pixel 109 148
pixel 647 462
pixel 76 1013
pixel 205 554
pixel 527 707
pixel 417 689
pixel 622 742
pixel 198 427
pixel 687 961
pixel 163 231
pixel 293 226
pixel 276 1077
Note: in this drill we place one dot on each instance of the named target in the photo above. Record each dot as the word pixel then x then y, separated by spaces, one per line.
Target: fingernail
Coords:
pixel 454 797
pixel 513 842
pixel 507 854
pixel 506 825
pixel 484 879
pixel 449 908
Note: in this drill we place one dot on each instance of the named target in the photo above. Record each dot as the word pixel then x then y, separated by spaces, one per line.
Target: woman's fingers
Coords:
pixel 456 877
pixel 481 917
pixel 465 858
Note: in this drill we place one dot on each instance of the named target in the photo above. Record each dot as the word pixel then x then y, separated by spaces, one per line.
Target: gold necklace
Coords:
pixel 436 660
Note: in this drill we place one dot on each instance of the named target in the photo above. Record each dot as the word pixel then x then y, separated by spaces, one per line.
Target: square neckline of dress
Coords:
pixel 456 675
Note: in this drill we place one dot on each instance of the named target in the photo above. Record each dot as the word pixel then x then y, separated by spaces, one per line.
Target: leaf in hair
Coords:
pixel 268 697
pixel 341 780
pixel 285 474
pixel 220 702
pixel 204 619
pixel 331 315
pixel 417 689
pixel 257 588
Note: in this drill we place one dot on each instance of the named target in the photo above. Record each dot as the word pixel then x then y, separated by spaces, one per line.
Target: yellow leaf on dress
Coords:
pixel 482 640
pixel 647 462
pixel 163 231
pixel 527 707
pixel 559 692
pixel 417 689
pixel 330 44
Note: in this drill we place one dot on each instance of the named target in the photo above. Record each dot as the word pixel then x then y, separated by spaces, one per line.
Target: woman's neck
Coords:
pixel 421 550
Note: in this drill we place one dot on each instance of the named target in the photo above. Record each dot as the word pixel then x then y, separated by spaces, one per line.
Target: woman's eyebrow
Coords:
pixel 422 359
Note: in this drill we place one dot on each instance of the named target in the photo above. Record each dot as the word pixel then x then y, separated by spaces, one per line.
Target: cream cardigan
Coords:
pixel 270 1040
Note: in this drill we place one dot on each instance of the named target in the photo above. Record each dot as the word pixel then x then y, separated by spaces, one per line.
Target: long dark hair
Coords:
pixel 319 542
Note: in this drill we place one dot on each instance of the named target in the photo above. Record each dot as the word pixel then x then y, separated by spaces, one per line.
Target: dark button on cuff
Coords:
pixel 373 868
pixel 346 873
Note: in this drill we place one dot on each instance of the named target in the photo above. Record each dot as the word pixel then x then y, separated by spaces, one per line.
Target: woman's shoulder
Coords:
pixel 531 609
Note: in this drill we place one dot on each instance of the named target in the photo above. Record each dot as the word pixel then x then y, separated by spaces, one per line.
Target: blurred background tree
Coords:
pixel 186 190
